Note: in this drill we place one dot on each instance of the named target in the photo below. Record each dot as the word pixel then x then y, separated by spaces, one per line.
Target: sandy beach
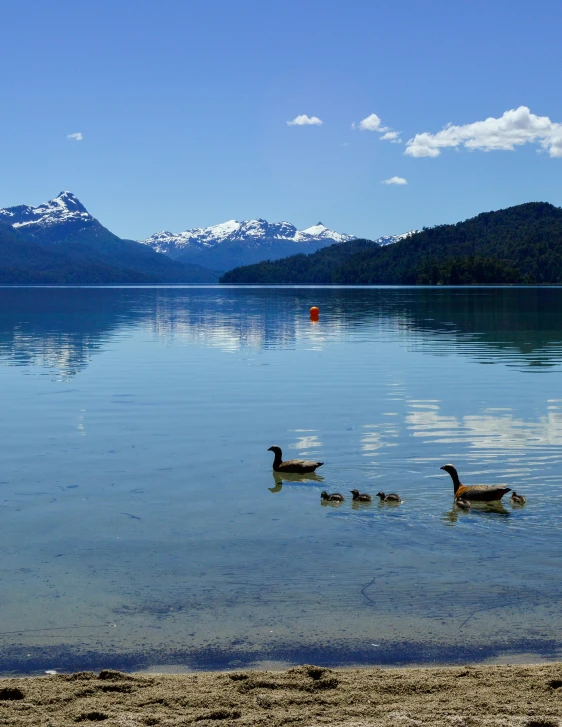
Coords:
pixel 518 695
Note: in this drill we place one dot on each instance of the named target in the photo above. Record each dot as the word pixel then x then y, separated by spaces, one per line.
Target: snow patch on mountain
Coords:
pixel 391 239
pixel 248 232
pixel 62 209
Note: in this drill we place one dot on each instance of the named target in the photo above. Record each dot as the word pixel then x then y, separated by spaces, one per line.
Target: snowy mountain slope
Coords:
pixel 249 232
pixel 64 223
pixel 53 221
pixel 234 243
pixel 62 209
pixel 391 239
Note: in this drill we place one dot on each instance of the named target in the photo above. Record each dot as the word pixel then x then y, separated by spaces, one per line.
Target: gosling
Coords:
pixel 393 497
pixel 332 497
pixel 463 504
pixel 360 497
pixel 517 499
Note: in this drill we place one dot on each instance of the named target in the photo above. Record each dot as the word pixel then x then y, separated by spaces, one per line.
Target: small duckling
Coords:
pixel 360 497
pixel 393 497
pixel 463 504
pixel 332 497
pixel 517 499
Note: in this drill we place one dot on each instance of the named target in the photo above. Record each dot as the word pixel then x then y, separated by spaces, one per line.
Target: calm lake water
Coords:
pixel 141 525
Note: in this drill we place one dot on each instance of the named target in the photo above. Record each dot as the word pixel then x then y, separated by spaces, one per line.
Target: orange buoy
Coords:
pixel 314 313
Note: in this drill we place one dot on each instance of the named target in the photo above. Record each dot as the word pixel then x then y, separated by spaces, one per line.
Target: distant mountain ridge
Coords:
pixel 248 231
pixel 66 244
pixel 230 244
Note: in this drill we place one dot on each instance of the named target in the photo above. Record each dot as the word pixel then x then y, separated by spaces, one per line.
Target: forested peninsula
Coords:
pixel 517 245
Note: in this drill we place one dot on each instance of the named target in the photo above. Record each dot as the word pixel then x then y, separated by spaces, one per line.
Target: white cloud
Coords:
pixel 76 137
pixel 391 136
pixel 395 180
pixel 304 120
pixel 371 123
pixel 514 128
pixel 374 123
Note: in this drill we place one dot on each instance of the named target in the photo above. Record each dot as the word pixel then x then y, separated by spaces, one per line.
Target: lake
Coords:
pixel 142 526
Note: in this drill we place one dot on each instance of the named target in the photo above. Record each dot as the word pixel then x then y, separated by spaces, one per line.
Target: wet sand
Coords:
pixel 518 695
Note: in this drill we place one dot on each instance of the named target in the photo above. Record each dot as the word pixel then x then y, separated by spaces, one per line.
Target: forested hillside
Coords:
pixel 521 244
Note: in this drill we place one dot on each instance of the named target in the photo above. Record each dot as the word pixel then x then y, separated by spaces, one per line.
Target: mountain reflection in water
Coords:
pixel 62 328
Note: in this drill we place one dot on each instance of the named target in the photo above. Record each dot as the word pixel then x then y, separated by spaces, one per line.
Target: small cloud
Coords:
pixel 75 137
pixel 371 123
pixel 395 180
pixel 304 120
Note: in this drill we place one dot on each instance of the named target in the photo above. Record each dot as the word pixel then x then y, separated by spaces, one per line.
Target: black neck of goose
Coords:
pixel 456 482
pixel 278 459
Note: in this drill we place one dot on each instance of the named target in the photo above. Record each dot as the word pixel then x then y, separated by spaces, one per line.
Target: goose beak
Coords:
pixel 442 468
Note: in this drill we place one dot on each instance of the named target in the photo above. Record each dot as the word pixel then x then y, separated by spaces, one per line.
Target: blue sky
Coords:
pixel 183 106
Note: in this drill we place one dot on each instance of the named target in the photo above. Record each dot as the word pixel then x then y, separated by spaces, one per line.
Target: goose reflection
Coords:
pixel 330 503
pixel 482 509
pixel 294 479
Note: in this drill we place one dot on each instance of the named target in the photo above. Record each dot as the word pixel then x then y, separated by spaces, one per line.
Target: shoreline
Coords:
pixel 19 660
pixel 522 695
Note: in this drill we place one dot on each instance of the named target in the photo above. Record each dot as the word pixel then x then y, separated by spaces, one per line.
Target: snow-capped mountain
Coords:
pixel 234 243
pixel 62 209
pixel 65 221
pixel 86 251
pixel 250 232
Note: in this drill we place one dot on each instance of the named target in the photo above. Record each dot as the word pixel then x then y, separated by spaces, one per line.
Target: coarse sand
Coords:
pixel 526 696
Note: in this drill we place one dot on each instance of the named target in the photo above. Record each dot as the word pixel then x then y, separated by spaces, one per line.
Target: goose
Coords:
pixel 393 497
pixel 517 499
pixel 332 497
pixel 298 466
pixel 475 493
pixel 463 504
pixel 360 497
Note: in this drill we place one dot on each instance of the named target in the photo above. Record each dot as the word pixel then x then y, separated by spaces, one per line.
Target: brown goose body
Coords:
pixel 360 497
pixel 475 493
pixel 393 497
pixel 332 497
pixel 296 466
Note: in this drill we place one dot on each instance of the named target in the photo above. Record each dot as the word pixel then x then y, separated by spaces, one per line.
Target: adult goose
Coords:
pixel 393 497
pixel 360 496
pixel 332 496
pixel 475 493
pixel 296 466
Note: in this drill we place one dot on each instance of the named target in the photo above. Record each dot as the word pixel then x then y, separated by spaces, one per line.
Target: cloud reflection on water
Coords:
pixel 487 430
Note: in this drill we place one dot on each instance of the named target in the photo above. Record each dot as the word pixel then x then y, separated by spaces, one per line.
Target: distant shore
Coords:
pixel 522 695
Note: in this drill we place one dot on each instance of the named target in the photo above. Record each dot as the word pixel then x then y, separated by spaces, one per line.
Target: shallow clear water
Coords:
pixel 141 523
